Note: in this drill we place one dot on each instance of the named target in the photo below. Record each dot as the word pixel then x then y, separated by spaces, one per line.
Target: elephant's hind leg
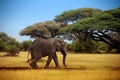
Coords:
pixel 33 63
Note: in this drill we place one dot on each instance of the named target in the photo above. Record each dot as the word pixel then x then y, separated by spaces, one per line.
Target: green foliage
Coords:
pixel 75 15
pixel 25 45
pixel 104 16
pixel 2 45
pixel 4 37
pixel 114 12
pixel 98 27
pixel 47 29
pixel 8 44
pixel 99 21
pixel 12 47
pixel 89 46
pixel 35 30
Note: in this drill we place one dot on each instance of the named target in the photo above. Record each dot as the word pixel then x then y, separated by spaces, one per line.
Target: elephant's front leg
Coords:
pixel 49 59
pixel 56 60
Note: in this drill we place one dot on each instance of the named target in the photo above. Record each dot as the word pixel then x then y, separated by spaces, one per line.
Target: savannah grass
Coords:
pixel 80 67
pixel 59 75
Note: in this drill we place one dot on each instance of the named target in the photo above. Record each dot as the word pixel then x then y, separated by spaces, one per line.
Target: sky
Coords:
pixel 15 15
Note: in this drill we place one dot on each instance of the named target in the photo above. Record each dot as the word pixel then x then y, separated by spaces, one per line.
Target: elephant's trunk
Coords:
pixel 64 58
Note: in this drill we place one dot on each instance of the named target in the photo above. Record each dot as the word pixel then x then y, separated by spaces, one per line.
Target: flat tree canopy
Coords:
pixel 43 29
pixel 72 16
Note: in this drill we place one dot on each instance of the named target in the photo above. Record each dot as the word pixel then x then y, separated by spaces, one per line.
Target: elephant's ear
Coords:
pixel 57 46
pixel 61 45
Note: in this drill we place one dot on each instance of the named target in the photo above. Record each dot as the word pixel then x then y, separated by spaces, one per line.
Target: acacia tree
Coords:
pixel 72 16
pixel 101 27
pixel 43 29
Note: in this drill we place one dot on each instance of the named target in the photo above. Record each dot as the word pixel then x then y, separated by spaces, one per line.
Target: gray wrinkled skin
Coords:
pixel 47 47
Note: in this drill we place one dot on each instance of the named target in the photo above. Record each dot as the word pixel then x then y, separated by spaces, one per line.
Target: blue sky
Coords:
pixel 16 15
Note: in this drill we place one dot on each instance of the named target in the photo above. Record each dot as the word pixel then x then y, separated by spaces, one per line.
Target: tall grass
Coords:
pixel 59 75
pixel 80 67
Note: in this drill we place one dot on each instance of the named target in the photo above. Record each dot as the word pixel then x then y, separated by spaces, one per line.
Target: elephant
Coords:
pixel 47 47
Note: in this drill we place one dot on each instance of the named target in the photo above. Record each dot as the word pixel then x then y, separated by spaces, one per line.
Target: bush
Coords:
pixel 12 50
pixel 88 46
pixel 11 46
pixel 25 45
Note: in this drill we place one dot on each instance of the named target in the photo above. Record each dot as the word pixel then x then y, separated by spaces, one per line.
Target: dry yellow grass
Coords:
pixel 59 75
pixel 80 67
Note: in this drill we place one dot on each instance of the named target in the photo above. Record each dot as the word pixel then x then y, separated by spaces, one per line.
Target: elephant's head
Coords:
pixel 60 46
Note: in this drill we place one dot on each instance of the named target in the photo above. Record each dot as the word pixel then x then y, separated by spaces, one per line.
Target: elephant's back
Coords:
pixel 42 45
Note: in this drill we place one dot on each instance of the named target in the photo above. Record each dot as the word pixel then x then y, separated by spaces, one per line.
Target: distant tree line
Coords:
pixel 12 46
pixel 91 30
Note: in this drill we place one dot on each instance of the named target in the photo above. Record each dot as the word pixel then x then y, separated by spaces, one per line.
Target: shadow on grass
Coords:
pixel 79 68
